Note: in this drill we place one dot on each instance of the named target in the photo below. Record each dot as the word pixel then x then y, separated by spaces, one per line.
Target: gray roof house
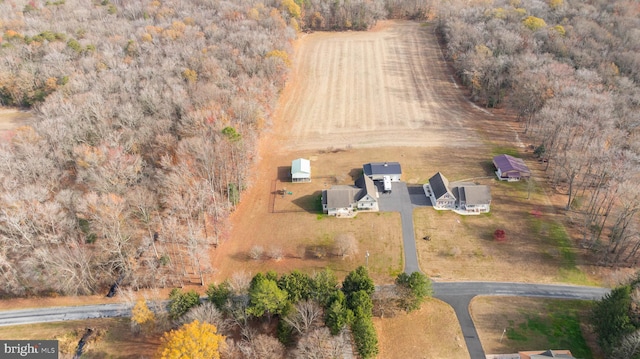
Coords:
pixel 377 171
pixel 345 201
pixel 460 197
pixel 472 198
pixel 439 192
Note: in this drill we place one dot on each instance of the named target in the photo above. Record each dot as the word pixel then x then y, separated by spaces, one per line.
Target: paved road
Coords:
pixel 459 295
pixel 57 314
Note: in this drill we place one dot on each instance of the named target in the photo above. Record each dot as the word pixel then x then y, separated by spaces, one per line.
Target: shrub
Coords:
pixel 256 252
pixel 180 302
pixel 365 337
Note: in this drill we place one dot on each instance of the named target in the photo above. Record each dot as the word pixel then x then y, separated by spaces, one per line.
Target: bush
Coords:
pixel 365 337
pixel 180 302
pixel 358 280
pixel 256 252
pixel 415 288
pixel 219 294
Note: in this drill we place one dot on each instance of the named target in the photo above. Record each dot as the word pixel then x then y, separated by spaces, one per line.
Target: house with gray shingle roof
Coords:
pixel 460 197
pixel 439 192
pixel 472 198
pixel 344 201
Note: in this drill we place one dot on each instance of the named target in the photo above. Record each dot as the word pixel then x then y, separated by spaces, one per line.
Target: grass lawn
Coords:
pixel 112 338
pixel 532 324
pixel 537 247
pixel 430 332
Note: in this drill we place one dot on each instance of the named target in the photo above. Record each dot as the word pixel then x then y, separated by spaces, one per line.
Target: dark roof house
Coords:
pixel 378 170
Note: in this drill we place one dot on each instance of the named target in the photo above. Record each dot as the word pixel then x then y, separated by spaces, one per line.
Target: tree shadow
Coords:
pixel 318 251
pixel 488 167
pixel 355 173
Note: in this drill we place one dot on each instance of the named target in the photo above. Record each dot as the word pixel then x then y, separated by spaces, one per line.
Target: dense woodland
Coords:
pixel 147 115
pixel 570 70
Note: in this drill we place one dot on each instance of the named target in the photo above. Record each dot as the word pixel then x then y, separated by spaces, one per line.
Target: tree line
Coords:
pixel 310 315
pixel 147 116
pixel 569 71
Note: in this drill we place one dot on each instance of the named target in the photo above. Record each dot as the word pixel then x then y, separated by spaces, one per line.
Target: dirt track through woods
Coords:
pixel 387 87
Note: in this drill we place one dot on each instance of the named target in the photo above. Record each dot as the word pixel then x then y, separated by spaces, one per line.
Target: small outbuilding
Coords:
pixel 383 171
pixel 509 168
pixel 300 170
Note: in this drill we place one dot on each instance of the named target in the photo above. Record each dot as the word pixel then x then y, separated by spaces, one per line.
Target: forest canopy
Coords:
pixel 570 72
pixel 147 115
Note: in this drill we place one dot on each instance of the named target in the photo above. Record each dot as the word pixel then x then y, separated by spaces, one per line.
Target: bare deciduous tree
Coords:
pixel 305 316
pixel 320 344
pixel 345 245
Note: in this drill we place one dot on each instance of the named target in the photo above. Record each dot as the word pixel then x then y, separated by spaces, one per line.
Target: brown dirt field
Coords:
pixel 380 88
pixel 492 315
pixel 114 339
pixel 426 333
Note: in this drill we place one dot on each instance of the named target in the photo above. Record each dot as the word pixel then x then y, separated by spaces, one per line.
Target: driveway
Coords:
pixel 404 199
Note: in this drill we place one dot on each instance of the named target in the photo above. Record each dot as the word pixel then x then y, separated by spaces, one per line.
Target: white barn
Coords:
pixel 300 170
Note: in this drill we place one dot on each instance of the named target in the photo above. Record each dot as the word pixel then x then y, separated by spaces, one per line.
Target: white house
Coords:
pixel 344 201
pixel 461 197
pixel 377 171
pixel 439 192
pixel 300 170
pixel 472 198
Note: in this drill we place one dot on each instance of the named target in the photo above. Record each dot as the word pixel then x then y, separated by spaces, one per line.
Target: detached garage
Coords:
pixel 300 170
pixel 510 168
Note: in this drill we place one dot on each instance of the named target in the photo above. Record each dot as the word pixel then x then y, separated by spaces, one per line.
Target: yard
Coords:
pixel 512 324
pixel 432 334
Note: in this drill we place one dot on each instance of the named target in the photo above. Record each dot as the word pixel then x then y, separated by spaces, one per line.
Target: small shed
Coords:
pixel 300 170
pixel 510 168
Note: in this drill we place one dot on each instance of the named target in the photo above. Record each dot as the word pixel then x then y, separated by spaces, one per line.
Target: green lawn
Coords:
pixel 555 327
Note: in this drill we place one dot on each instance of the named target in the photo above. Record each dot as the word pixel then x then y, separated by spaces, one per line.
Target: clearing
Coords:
pixel 11 118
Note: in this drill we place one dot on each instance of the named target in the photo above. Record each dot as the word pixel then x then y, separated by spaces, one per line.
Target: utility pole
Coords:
pixel 366 257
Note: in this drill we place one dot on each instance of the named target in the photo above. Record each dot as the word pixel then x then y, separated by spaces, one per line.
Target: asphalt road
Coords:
pixel 459 295
pixel 57 314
